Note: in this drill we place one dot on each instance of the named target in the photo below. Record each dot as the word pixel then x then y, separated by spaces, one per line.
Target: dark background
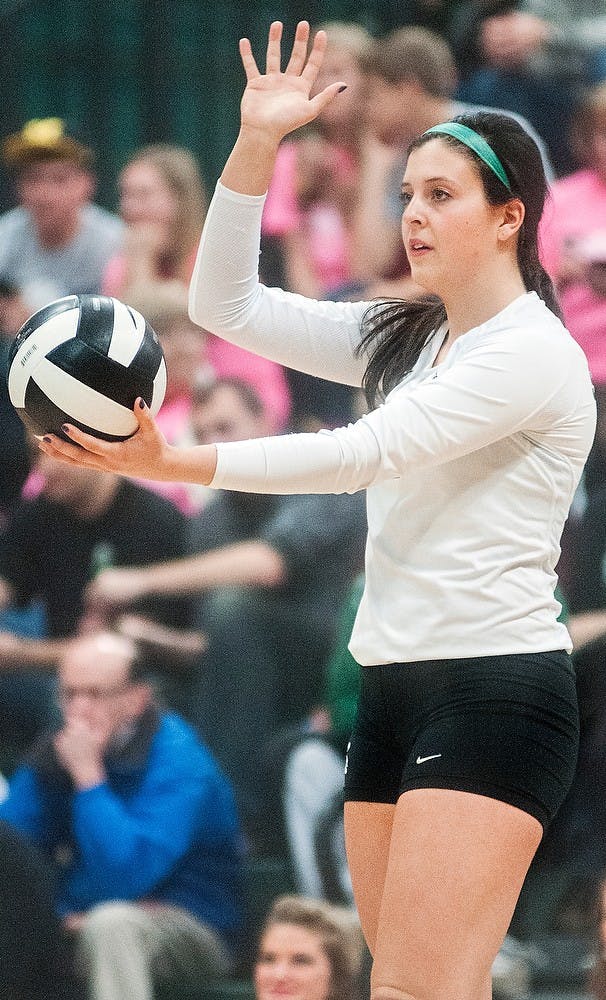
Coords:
pixel 127 72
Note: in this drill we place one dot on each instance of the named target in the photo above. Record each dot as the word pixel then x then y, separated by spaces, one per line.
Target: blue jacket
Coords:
pixel 162 827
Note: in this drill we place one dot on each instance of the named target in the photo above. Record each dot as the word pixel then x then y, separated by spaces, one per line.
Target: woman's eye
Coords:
pixel 438 194
pixel 405 197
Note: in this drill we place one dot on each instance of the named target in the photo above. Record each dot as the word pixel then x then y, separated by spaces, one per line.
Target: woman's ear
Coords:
pixel 512 217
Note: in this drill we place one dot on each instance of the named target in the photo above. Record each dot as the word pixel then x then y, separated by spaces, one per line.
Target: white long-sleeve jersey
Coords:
pixel 470 465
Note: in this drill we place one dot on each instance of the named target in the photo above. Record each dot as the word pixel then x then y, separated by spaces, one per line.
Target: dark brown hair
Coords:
pixel 395 331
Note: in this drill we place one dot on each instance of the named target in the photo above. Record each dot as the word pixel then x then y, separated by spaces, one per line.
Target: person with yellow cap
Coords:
pixel 55 241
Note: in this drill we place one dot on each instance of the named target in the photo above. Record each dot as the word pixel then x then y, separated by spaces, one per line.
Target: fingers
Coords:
pixel 144 415
pixel 316 57
pixel 86 441
pixel 299 49
pixel 298 65
pixel 73 454
pixel 69 454
pixel 85 449
pixel 248 60
pixel 273 57
pixel 325 96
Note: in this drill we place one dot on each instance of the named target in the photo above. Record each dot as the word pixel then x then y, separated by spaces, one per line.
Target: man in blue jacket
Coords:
pixel 141 825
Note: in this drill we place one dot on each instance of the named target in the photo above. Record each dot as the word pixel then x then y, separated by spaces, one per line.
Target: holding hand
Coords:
pixel 146 454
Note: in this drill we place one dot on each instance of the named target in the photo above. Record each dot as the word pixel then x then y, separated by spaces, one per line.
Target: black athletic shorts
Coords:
pixel 502 726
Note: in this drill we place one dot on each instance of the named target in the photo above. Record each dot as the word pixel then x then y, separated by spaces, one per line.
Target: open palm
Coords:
pixel 277 102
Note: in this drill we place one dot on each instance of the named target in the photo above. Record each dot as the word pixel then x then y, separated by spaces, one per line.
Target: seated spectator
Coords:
pixel 561 881
pixel 269 574
pixel 308 239
pixel 573 235
pixel 533 57
pixel 36 959
pixel 141 824
pixel 311 950
pixel 56 241
pixel 163 205
pixel 52 545
pixel 305 766
pixel 560 36
pixel 410 85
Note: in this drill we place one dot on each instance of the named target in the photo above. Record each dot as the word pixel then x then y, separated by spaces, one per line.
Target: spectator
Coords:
pixel 411 79
pixel 56 241
pixel 51 547
pixel 534 57
pixel 163 204
pixel 561 880
pixel 309 216
pixel 305 771
pixel 309 949
pixel 269 574
pixel 573 234
pixel 311 199
pixel 141 824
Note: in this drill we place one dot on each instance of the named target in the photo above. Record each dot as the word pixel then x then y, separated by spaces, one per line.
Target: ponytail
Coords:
pixel 535 276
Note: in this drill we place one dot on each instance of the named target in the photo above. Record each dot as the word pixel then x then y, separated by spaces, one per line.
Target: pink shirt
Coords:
pixel 576 210
pixel 322 222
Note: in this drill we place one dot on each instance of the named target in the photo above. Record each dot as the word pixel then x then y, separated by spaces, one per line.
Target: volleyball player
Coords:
pixel 482 415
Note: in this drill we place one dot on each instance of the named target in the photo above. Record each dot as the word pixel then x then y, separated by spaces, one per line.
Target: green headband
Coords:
pixel 476 142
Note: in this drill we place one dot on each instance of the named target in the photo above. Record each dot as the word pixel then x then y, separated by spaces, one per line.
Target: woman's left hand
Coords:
pixel 144 455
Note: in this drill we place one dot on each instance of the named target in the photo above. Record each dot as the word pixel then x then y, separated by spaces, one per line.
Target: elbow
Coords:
pixel 195 309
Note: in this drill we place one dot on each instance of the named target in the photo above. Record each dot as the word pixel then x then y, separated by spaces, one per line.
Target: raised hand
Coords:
pixel 277 102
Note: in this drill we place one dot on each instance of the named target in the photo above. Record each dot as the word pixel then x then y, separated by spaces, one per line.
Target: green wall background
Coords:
pixel 129 72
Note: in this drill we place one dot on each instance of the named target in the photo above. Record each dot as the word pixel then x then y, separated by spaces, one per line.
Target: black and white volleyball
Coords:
pixel 84 359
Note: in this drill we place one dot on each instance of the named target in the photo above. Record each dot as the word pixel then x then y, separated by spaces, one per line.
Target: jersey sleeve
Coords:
pixel 503 385
pixel 226 298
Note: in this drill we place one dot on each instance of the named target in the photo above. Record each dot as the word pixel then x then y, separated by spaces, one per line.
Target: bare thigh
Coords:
pixel 367 840
pixel 444 898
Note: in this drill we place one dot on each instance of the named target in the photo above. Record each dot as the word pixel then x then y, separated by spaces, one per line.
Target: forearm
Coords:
pixel 243 564
pixel 18 653
pixel 250 165
pixel 320 338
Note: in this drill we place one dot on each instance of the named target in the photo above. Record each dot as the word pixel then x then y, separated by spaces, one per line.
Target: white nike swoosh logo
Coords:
pixel 432 756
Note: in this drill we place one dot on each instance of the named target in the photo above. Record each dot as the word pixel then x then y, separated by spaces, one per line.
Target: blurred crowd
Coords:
pixel 175 685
